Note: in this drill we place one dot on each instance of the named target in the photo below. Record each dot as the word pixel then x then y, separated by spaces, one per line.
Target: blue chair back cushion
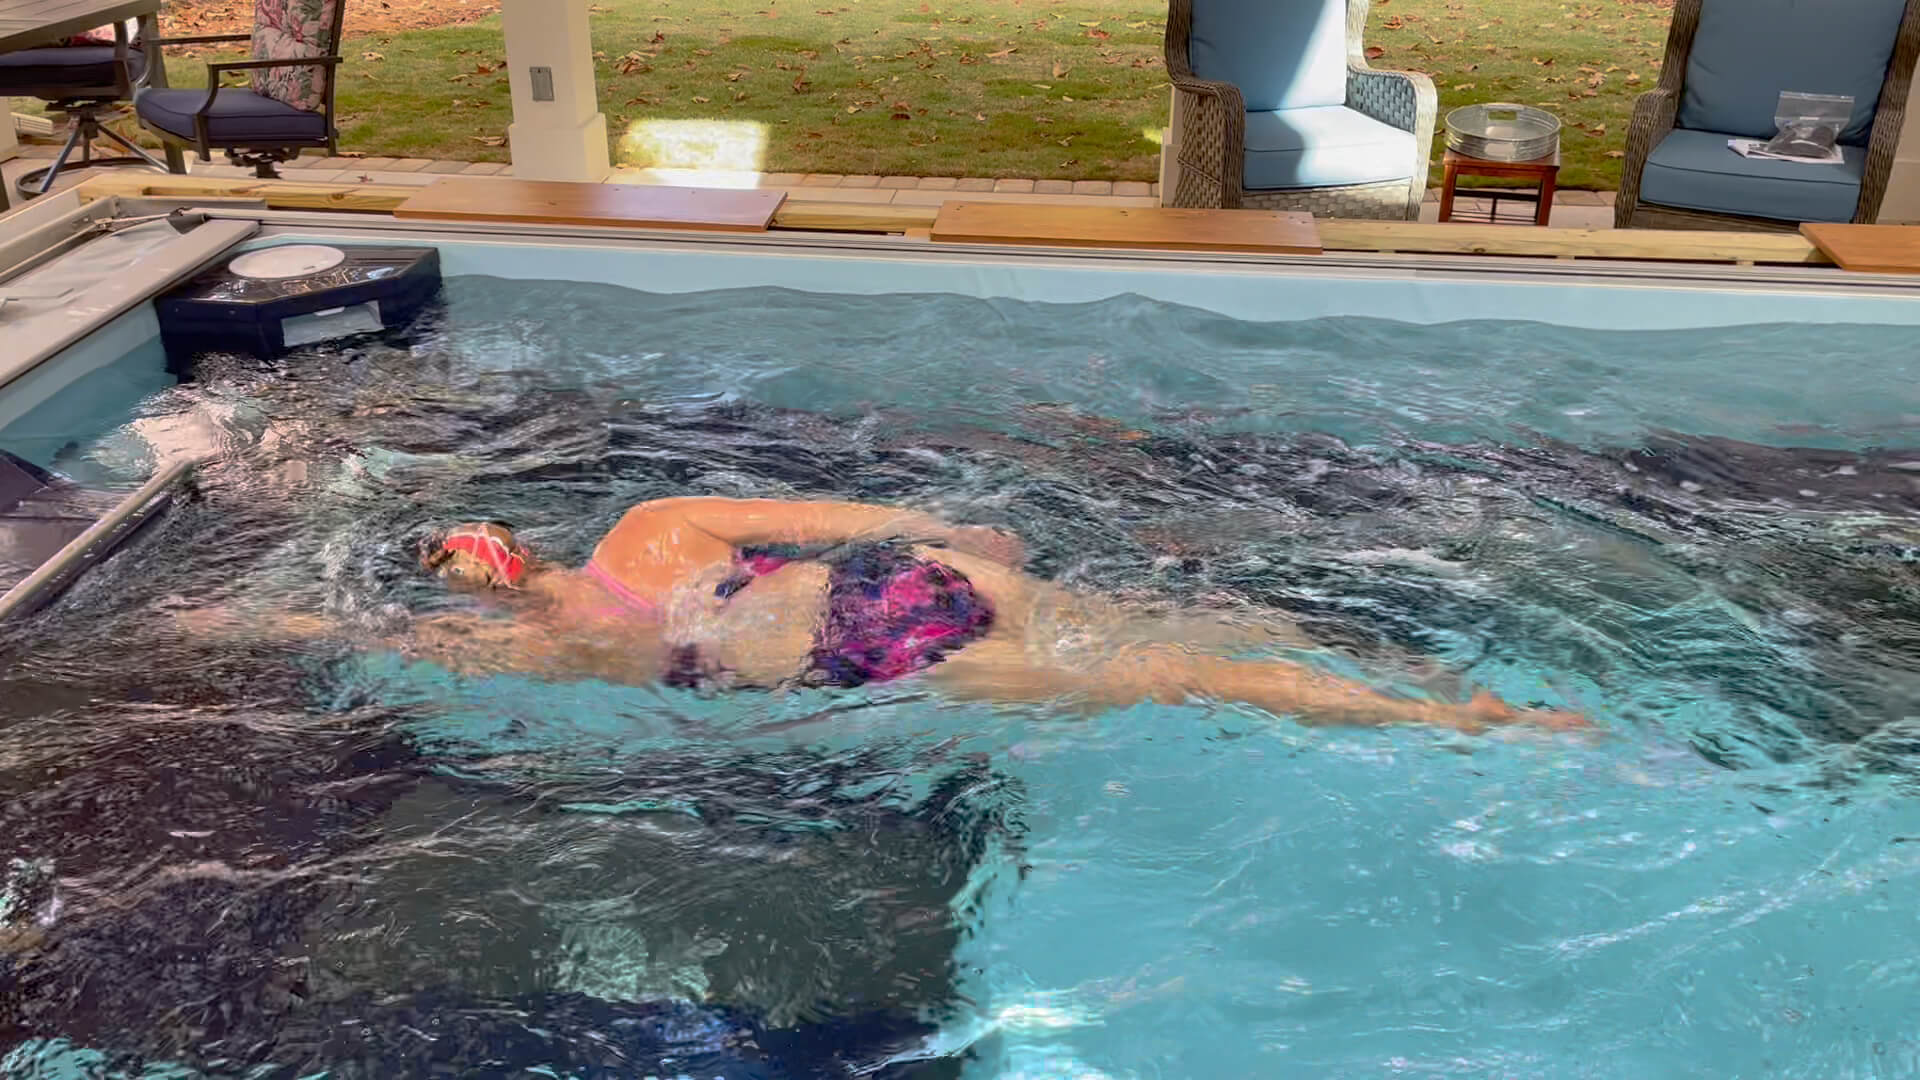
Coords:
pixel 33 72
pixel 1282 54
pixel 1324 146
pixel 1748 51
pixel 1694 170
pixel 239 118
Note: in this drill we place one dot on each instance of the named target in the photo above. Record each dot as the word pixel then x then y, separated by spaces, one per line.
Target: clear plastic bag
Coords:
pixel 1810 125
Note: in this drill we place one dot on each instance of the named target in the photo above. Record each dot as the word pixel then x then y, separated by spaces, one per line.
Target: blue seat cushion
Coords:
pixel 239 118
pixel 34 72
pixel 1326 146
pixel 1748 51
pixel 1694 170
pixel 1282 54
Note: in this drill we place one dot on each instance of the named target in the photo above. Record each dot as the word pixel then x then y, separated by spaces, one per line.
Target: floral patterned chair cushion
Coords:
pixel 286 30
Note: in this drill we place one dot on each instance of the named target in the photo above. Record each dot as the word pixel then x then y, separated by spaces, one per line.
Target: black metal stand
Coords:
pixel 86 128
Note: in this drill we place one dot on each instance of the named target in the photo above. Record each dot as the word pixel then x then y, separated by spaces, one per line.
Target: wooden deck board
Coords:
pixel 1657 245
pixel 1260 231
pixel 802 213
pixel 634 206
pixel 1869 249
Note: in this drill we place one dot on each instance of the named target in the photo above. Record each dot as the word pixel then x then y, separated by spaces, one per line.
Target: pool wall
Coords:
pixel 1280 289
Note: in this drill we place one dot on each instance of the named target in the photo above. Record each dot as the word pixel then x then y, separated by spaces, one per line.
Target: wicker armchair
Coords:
pixel 1205 161
pixel 1664 113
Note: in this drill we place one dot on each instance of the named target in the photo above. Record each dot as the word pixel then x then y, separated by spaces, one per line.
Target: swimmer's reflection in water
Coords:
pixel 755 593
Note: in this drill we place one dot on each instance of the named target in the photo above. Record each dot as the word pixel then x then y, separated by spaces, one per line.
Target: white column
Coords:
pixel 565 138
pixel 1902 204
pixel 9 146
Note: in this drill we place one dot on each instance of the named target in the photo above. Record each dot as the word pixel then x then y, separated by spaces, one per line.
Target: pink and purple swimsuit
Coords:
pixel 889 614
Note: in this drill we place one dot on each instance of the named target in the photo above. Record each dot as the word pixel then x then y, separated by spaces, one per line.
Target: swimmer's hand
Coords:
pixel 986 542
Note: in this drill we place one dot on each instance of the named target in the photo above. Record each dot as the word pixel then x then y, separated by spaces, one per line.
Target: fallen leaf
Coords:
pixel 701 100
pixel 1633 77
pixel 1463 86
pixel 902 115
pixel 1375 52
pixel 373 56
pixel 1543 62
pixel 1060 70
pixel 735 76
pixel 1002 54
pixel 1615 154
pixel 489 140
pixel 1394 22
pixel 982 117
pixel 1041 86
pixel 1098 35
pixel 1095 22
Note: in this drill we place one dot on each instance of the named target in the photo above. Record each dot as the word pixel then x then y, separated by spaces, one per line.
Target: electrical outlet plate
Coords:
pixel 542 78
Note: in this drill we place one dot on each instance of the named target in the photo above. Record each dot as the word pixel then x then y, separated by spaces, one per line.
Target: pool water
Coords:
pixel 270 860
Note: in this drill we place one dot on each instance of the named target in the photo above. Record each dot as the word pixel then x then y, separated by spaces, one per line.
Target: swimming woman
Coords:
pixel 766 593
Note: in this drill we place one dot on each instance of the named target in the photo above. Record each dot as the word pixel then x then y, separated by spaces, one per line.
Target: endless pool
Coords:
pixel 1682 500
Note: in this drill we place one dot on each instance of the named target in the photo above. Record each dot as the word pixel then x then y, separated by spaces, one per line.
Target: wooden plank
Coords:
pixel 1267 231
pixel 1656 245
pixel 634 206
pixel 815 215
pixel 819 215
pixel 279 194
pixel 1869 249
pixel 1335 235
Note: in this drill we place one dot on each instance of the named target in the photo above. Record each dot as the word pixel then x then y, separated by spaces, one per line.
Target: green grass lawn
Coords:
pixel 1027 88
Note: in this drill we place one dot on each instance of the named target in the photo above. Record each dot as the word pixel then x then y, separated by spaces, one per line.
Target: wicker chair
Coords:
pixel 1206 160
pixel 1681 131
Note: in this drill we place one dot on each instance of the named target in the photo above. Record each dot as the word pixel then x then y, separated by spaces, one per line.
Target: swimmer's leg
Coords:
pixel 1001 669
pixel 1040 610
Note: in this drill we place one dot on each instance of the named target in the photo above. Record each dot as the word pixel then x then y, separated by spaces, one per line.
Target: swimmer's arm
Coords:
pixel 747 522
pixel 458 642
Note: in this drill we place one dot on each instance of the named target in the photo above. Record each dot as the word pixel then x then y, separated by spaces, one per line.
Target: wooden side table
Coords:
pixel 1543 171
